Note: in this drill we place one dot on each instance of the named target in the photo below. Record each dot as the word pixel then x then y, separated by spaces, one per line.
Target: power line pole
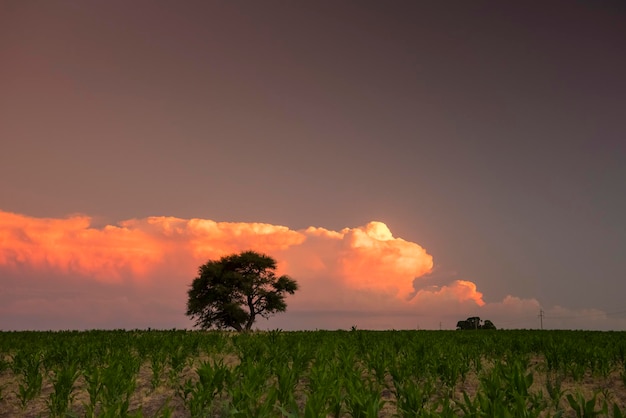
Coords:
pixel 541 317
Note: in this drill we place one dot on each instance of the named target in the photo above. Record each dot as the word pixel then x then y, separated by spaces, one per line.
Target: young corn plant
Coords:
pixel 28 365
pixel 363 396
pixel 198 396
pixel 449 370
pixel 586 408
pixel 315 405
pixel 337 397
pixel 165 411
pixel 518 383
pixel 378 362
pixel 286 381
pixel 445 408
pixel 93 378
pixel 412 396
pixel 250 394
pixel 504 392
pixel 262 408
pixel 63 378
pixel 577 370
pixel 319 388
pixel 555 390
pixel 158 361
pixel 178 359
pixel 118 385
pixel 4 365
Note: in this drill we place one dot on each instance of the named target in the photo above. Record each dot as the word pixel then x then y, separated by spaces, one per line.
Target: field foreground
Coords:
pixel 313 374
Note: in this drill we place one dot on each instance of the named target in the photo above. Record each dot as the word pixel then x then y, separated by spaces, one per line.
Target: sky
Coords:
pixel 410 164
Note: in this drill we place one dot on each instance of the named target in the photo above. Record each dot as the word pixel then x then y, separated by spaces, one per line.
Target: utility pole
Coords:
pixel 439 325
pixel 541 317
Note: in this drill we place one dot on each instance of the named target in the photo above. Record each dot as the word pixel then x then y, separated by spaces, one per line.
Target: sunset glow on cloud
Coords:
pixel 375 260
pixel 136 273
pixel 365 258
pixel 458 291
pixel 72 247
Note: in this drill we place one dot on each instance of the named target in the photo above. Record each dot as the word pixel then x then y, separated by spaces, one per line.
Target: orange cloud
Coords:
pixel 70 245
pixel 210 239
pixel 367 257
pixel 151 261
pixel 458 291
pixel 374 259
pixel 133 249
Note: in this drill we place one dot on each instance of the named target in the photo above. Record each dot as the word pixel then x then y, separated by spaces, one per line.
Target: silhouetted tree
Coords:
pixel 234 290
pixel 488 325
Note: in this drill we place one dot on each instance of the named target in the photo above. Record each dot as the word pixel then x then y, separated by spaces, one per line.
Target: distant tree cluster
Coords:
pixel 474 323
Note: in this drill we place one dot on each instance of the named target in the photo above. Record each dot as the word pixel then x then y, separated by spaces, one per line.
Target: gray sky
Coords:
pixel 493 135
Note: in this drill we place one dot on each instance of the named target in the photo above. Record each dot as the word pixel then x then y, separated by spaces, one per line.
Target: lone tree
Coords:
pixel 232 291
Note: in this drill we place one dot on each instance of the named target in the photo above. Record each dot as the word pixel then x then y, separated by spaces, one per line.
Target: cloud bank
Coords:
pixel 66 274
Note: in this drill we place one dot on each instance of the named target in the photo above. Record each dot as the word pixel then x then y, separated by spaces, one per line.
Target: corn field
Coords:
pixel 313 374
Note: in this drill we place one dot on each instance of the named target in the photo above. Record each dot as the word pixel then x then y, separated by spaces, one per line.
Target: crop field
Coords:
pixel 313 374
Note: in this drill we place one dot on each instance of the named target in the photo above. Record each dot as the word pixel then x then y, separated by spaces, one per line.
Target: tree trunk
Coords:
pixel 250 321
pixel 252 316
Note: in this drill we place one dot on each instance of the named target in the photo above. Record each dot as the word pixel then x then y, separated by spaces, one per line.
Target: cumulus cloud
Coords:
pixel 457 291
pixel 134 249
pixel 71 246
pixel 374 259
pixel 64 273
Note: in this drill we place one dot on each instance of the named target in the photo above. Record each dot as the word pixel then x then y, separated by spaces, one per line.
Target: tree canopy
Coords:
pixel 236 289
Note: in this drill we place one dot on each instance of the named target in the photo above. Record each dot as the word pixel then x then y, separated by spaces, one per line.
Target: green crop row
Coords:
pixel 313 374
